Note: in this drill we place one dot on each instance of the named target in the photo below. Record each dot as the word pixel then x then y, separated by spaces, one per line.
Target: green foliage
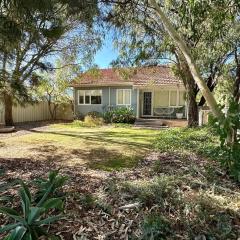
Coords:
pixel 227 128
pixel 155 227
pixel 49 187
pixel 52 87
pixel 36 210
pixel 203 141
pixel 87 200
pixel 120 115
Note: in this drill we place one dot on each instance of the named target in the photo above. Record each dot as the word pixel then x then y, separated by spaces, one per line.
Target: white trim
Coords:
pixel 109 96
pixel 124 104
pixel 178 97
pixel 138 103
pixel 87 104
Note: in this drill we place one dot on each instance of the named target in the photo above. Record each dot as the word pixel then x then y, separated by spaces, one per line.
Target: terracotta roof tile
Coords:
pixel 141 76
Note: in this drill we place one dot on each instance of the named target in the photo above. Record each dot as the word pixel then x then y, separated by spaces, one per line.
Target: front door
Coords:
pixel 147 103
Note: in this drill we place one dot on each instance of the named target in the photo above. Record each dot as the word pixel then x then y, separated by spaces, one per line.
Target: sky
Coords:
pixel 106 54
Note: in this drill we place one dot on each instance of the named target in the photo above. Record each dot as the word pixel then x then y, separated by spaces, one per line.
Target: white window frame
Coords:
pixel 169 100
pixel 89 95
pixel 124 104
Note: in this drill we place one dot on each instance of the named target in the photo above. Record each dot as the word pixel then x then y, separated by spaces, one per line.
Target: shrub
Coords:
pixel 90 121
pixel 120 115
pixel 227 128
pixel 95 114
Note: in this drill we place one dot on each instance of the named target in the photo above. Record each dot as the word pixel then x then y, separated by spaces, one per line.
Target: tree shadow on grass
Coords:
pixel 96 158
pixel 107 137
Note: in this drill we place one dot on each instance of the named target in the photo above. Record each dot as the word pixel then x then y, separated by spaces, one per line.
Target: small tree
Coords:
pixel 53 88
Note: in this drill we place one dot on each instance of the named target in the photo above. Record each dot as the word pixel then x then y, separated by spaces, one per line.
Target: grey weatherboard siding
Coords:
pixel 82 110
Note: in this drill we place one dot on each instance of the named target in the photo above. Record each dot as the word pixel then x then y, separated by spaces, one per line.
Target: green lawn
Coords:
pixel 105 147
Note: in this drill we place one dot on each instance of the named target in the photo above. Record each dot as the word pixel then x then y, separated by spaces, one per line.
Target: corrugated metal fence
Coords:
pixel 36 112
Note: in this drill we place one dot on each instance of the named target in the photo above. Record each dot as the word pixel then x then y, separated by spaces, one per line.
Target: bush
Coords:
pixel 120 115
pixel 95 114
pixel 90 121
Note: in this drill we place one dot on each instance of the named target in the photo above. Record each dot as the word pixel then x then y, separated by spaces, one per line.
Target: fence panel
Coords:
pixel 36 112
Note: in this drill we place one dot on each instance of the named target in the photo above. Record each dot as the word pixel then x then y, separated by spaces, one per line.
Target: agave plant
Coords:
pixel 30 221
pixel 50 186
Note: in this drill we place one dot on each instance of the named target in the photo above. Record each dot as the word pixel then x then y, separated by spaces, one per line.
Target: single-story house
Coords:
pixel 149 91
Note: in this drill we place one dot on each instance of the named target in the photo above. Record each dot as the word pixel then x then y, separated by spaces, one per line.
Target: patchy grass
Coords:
pixel 181 190
pixel 186 189
pixel 107 147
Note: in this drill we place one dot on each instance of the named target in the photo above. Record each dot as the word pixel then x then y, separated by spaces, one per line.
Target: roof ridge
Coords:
pixel 161 65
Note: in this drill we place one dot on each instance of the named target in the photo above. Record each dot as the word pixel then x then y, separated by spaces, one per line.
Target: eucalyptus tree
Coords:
pixel 32 33
pixel 144 40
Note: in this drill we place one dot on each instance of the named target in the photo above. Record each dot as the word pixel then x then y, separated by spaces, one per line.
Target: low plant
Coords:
pixel 87 201
pixel 155 227
pixel 50 187
pixel 36 211
pixel 120 115
pixel 93 121
pixel 202 141
pixel 156 191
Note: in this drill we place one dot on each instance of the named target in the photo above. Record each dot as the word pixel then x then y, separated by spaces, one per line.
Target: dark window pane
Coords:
pixel 87 99
pixel 81 101
pixel 96 99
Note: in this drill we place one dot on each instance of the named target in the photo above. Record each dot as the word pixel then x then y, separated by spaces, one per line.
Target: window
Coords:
pixel 161 98
pixel 173 98
pixel 123 96
pixel 96 96
pixel 182 98
pixel 89 96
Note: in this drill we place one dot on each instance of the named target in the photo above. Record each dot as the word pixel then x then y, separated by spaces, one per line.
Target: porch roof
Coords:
pixel 140 76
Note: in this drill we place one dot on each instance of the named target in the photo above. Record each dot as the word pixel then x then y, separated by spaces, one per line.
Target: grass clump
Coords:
pixel 155 191
pixel 155 227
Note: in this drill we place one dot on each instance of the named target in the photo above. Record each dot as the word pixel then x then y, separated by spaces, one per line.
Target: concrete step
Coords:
pixel 150 123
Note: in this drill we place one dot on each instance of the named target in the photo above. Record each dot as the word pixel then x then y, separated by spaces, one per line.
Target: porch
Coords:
pixel 162 102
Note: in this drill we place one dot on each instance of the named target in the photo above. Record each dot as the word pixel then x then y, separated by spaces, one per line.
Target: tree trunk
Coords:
pixel 192 111
pixel 211 85
pixel 191 89
pixel 8 103
pixel 192 65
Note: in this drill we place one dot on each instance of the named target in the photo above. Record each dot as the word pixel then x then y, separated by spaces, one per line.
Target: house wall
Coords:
pixel 109 98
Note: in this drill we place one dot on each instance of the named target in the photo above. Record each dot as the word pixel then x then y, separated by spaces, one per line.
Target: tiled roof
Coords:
pixel 141 76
